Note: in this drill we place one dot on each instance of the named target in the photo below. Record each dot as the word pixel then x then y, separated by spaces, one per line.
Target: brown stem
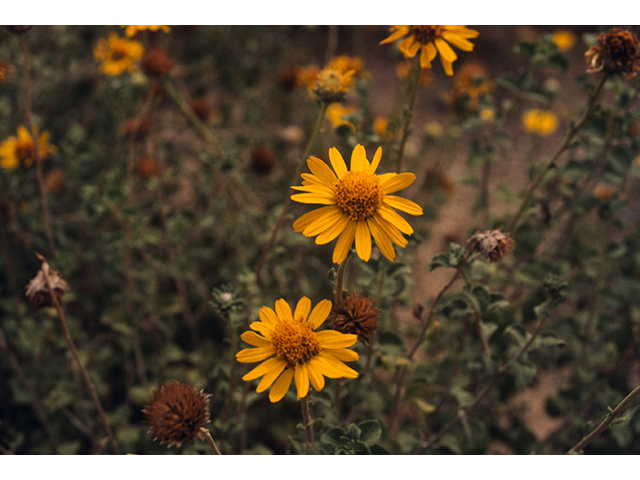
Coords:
pixel 76 356
pixel 308 422
pixel 205 436
pixel 408 114
pixel 552 161
pixel 36 150
pixel 611 416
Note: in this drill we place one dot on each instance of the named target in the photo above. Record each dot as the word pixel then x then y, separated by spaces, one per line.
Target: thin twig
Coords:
pixel 308 422
pixel 408 114
pixel 205 436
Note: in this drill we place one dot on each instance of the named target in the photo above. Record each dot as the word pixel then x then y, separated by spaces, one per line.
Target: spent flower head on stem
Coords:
pixel 492 244
pixel 356 314
pixel 616 51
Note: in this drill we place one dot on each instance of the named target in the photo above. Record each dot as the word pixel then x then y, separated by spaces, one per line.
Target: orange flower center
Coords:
pixel 359 194
pixel 296 342
pixel 119 52
pixel 425 34
pixel 25 149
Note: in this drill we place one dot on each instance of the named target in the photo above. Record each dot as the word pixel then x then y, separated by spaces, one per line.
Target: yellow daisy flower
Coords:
pixel 358 205
pixel 117 54
pixel 290 348
pixel 431 39
pixel 564 39
pixel 540 122
pixel 20 149
pixel 131 30
pixel 336 111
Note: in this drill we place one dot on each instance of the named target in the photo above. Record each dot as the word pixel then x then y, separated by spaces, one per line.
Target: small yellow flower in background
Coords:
pixel 291 349
pixel 358 205
pixel 131 30
pixel 469 84
pixel 487 114
pixel 117 54
pixel 345 63
pixel 20 149
pixel 564 39
pixel 540 122
pixel 381 128
pixel 307 77
pixel 332 84
pixel 430 40
pixel 336 111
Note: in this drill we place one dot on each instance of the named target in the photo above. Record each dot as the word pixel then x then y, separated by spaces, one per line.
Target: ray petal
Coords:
pixel 308 218
pixel 390 230
pixel 376 161
pixel 337 162
pixel 403 204
pixel 333 339
pixel 334 230
pixel 301 378
pixel 359 162
pixel 363 240
pixel 382 239
pixel 391 216
pixel 277 366
pixel 283 310
pixel 322 199
pixel 252 338
pixel 397 182
pixel 322 171
pixel 315 375
pixel 281 386
pixel 302 309
pixel 253 355
pixel 270 365
pixel 345 240
pixel 320 313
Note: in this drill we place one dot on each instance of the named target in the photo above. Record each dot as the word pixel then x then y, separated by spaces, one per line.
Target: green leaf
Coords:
pixel 370 431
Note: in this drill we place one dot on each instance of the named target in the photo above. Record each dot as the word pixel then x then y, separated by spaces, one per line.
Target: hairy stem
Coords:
pixel 408 114
pixel 307 420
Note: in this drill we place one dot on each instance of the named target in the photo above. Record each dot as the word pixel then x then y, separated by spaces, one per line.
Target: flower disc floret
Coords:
pixel 358 205
pixel 296 342
pixel 359 195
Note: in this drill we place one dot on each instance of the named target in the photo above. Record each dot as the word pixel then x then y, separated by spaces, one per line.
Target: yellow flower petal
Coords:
pixel 382 239
pixel 343 354
pixel 264 328
pixel 334 368
pixel 315 375
pixel 391 230
pixel 337 162
pixel 398 182
pixel 329 220
pixel 363 240
pixel 359 162
pixel 302 309
pixel 454 38
pixel 283 310
pixel 345 240
pixel 333 230
pixel 376 161
pixel 308 218
pixel 252 355
pixel 277 365
pixel 320 313
pixel 252 338
pixel 390 215
pixel 403 204
pixel 333 339
pixel 445 50
pixel 301 377
pixel 322 171
pixel 268 316
pixel 313 198
pixel 266 367
pixel 281 386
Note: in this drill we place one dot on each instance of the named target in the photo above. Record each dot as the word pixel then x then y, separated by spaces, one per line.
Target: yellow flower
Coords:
pixel 564 39
pixel 20 149
pixel 117 54
pixel 332 84
pixel 358 205
pixel 381 128
pixel 345 63
pixel 541 122
pixel 336 111
pixel 431 39
pixel 290 348
pixel 131 30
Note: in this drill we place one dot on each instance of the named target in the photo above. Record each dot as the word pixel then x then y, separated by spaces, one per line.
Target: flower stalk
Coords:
pixel 205 436
pixel 307 420
pixel 408 115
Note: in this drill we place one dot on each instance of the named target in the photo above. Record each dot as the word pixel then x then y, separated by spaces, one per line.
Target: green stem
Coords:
pixel 613 414
pixel 552 161
pixel 340 279
pixel 287 204
pixel 307 420
pixel 408 114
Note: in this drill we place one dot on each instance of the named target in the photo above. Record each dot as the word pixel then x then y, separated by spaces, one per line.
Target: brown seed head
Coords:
pixel 137 128
pixel 492 244
pixel 176 413
pixel 156 63
pixel 617 51
pixel 262 160
pixel 357 315
pixel 37 292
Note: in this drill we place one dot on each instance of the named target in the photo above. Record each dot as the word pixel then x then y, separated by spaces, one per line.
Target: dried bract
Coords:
pixel 37 291
pixel 176 413
pixel 617 51
pixel 492 244
pixel 356 314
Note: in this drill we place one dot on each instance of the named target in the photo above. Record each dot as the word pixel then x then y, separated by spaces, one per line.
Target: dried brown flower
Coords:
pixel 146 167
pixel 357 315
pixel 201 108
pixel 6 71
pixel 156 63
pixel 492 244
pixel 37 292
pixel 262 160
pixel 176 413
pixel 137 128
pixel 617 51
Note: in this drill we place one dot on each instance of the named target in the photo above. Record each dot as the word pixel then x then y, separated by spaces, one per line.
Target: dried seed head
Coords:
pixel 156 63
pixel 262 160
pixel 492 244
pixel 357 315
pixel 176 413
pixel 617 51
pixel 37 291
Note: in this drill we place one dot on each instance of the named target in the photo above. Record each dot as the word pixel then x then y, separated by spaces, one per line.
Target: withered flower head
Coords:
pixel 617 51
pixel 357 315
pixel 6 71
pixel 156 63
pixel 176 413
pixel 137 128
pixel 262 160
pixel 37 291
pixel 492 244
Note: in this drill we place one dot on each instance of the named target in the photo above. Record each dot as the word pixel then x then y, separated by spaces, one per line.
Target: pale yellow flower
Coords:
pixel 430 40
pixel 20 149
pixel 131 30
pixel 291 349
pixel 564 39
pixel 117 54
pixel 358 205
pixel 540 122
